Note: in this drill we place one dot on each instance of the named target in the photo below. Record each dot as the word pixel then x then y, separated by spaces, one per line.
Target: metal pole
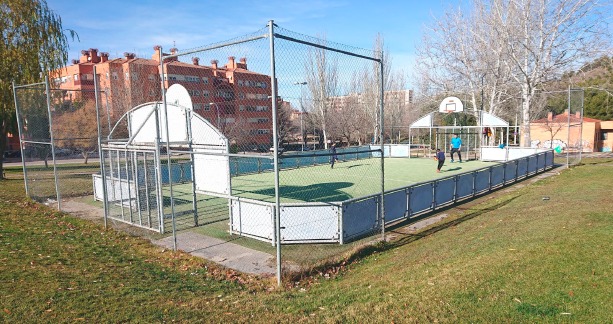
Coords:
pixel 21 139
pixel 301 113
pixel 273 86
pixel 108 112
pixel 101 153
pixel 581 125
pixel 193 167
pixel 57 188
pixel 381 131
pixel 172 199
pixel 158 171
pixel 568 131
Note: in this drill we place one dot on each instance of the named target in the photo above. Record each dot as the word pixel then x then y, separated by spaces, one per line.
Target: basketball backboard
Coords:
pixel 451 104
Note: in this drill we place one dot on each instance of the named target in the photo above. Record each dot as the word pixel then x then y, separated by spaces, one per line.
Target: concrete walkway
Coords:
pixel 228 254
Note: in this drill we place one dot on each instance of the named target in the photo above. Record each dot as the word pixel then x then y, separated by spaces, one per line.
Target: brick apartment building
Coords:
pixel 231 97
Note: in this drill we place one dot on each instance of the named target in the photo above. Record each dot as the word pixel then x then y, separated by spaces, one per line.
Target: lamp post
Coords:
pixel 301 113
pixel 218 118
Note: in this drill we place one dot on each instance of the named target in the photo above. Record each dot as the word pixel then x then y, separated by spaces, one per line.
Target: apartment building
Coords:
pixel 232 98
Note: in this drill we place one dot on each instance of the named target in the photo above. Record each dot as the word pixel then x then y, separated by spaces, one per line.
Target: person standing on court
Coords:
pixel 440 157
pixel 333 156
pixel 456 145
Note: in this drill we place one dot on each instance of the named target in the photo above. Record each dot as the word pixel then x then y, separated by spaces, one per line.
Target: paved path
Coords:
pixel 228 254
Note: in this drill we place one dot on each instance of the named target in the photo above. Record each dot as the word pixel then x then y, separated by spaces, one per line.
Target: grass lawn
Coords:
pixel 541 253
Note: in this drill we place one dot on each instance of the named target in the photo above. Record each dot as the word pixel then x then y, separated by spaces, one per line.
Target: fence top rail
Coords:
pixel 313 204
pixel 28 85
pixel 215 46
pixel 252 201
pixel 327 154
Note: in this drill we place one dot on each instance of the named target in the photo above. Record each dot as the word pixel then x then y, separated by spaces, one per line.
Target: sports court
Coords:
pixel 348 179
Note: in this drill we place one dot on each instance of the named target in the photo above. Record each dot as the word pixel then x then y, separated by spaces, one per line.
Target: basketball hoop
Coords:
pixel 451 104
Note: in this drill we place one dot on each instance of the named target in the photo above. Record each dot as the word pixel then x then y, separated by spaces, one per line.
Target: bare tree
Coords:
pixel 516 46
pixel 371 86
pixel 322 80
pixel 285 127
pixel 77 130
pixel 544 39
pixel 396 104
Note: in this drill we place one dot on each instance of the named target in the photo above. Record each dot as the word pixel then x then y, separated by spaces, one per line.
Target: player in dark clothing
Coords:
pixel 440 157
pixel 333 157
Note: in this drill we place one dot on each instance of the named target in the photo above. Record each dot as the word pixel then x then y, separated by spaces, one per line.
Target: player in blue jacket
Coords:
pixel 456 146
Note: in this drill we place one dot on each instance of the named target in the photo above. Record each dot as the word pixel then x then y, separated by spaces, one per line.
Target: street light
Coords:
pixel 301 112
pixel 217 109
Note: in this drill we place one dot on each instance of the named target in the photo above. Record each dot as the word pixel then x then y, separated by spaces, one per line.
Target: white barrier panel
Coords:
pixel 391 150
pixel 116 189
pixel 252 219
pixel 212 172
pixel 310 223
pixel 399 150
pixel 493 153
pixel 520 152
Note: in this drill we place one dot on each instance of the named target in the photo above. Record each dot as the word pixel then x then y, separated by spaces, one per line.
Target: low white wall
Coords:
pixel 495 153
pixel 300 223
pixel 116 189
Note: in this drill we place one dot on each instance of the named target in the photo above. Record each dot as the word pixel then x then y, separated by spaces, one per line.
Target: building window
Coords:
pixel 205 93
pixel 76 77
pixel 151 77
pixel 206 107
pixel 605 136
pixel 205 80
pixel 240 82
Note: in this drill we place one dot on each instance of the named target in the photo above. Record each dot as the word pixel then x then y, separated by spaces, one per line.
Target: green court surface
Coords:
pixel 350 179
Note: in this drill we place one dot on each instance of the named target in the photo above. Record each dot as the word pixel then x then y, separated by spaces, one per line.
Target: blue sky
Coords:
pixel 136 26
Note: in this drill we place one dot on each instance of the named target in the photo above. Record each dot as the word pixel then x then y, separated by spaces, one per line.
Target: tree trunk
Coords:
pixel 2 148
pixel 525 116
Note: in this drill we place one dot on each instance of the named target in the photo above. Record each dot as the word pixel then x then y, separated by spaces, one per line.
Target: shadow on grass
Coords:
pixel 324 192
pixel 335 266
pixel 353 166
pixel 407 238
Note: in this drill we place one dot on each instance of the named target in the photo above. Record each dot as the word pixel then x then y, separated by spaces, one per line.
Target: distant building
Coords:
pixel 231 97
pixel 554 131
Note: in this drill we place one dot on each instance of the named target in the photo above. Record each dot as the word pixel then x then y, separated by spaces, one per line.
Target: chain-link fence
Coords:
pixel 59 141
pixel 557 123
pixel 279 150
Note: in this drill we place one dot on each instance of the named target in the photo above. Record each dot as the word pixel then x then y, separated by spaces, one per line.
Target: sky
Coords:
pixel 136 26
